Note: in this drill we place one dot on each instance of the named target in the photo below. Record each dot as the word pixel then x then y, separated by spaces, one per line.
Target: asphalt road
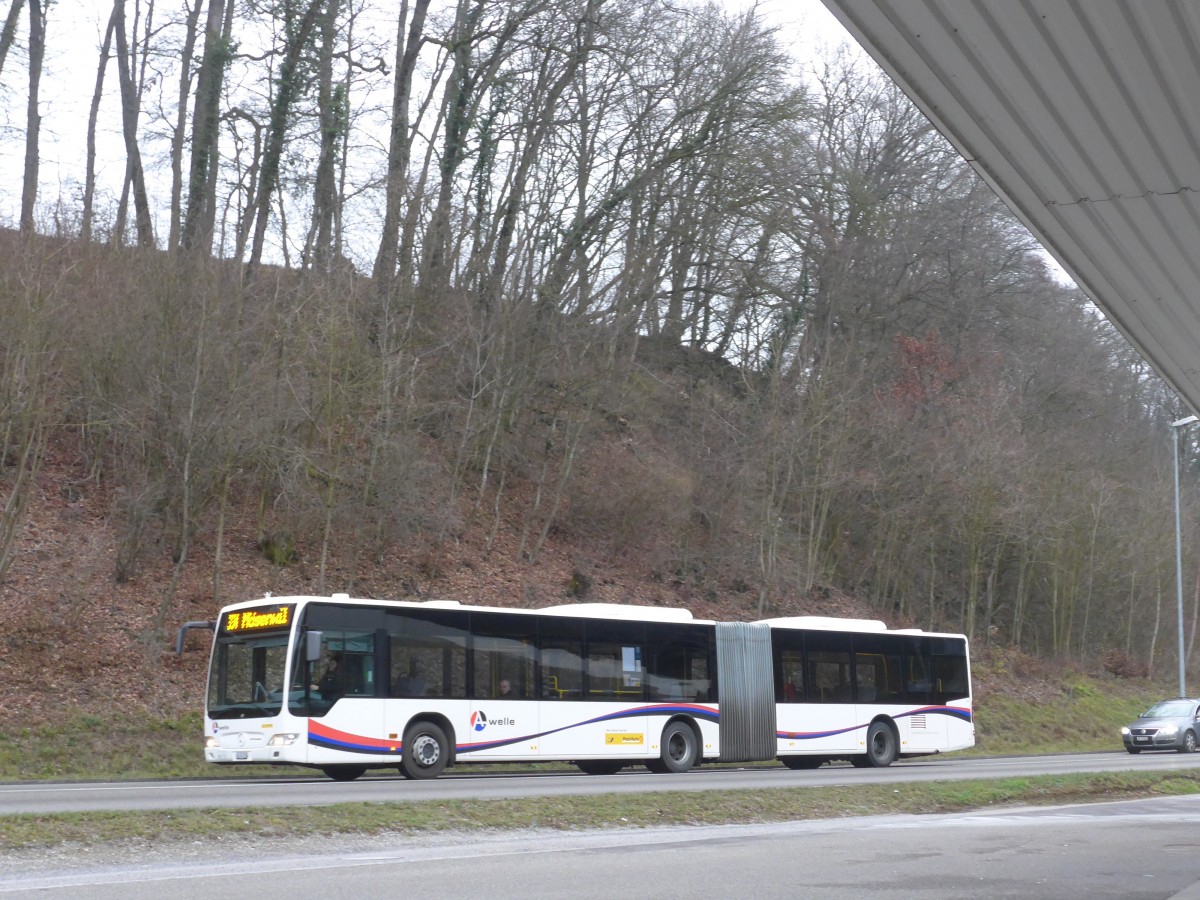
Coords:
pixel 1132 849
pixel 465 784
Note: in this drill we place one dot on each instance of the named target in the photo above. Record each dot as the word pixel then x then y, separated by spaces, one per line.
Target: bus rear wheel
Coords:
pixel 343 773
pixel 881 746
pixel 426 751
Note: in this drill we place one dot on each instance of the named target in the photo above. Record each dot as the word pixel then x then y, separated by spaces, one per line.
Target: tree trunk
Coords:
pixel 178 136
pixel 9 31
pixel 280 108
pixel 89 188
pixel 399 141
pixel 332 108
pixel 201 212
pixel 33 119
pixel 129 117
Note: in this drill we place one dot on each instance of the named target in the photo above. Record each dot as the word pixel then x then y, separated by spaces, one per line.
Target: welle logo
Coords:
pixel 480 721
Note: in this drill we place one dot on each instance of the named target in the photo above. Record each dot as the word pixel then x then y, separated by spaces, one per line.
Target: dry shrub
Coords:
pixel 629 500
pixel 1122 665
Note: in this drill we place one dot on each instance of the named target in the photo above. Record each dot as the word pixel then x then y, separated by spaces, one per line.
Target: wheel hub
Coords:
pixel 426 751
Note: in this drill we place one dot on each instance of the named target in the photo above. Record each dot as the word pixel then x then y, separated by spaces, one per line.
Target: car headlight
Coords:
pixel 282 740
pixel 1124 729
pixel 1168 730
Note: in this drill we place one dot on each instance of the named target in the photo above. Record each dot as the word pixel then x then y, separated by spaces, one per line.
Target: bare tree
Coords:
pixel 299 34
pixel 130 108
pixel 200 216
pixel 333 114
pixel 89 189
pixel 33 117
pixel 179 128
pixel 479 48
pixel 8 32
pixel 408 47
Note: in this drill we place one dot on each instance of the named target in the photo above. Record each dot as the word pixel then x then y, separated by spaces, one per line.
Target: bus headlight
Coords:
pixel 211 743
pixel 282 740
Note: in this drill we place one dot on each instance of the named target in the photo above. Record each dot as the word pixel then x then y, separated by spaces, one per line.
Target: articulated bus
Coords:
pixel 346 685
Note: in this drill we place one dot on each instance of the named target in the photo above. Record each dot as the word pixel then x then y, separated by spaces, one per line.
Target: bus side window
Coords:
pixel 793 684
pixel 562 672
pixel 677 663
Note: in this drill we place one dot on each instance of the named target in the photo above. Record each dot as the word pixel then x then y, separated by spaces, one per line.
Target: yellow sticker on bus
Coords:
pixel 623 738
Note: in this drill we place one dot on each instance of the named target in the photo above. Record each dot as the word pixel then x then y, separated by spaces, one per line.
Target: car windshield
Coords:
pixel 1168 709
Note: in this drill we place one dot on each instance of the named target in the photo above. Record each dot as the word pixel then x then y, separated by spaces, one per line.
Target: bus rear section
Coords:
pixel 852 690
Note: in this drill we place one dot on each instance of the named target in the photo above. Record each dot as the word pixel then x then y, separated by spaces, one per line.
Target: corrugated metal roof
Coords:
pixel 1083 117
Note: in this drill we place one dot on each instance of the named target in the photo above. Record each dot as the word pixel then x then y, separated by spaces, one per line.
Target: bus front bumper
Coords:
pixel 250 747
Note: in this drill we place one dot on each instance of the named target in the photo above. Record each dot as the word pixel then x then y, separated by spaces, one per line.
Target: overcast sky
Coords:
pixel 74 34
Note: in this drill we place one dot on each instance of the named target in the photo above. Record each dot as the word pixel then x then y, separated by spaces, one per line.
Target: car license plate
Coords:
pixel 1142 740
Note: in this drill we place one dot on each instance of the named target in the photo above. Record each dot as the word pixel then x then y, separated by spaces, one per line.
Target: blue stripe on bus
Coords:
pixel 658 709
pixel 320 735
pixel 332 739
pixel 956 712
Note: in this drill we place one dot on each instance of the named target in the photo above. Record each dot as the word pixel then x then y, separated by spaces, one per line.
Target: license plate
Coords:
pixel 1142 740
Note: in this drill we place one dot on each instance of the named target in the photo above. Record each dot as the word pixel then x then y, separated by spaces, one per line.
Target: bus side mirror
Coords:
pixel 312 649
pixel 185 628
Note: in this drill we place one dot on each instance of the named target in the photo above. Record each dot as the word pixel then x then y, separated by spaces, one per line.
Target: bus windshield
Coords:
pixel 248 664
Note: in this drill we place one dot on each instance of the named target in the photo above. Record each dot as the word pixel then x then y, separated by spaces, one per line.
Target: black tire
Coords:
pixel 881 745
pixel 426 751
pixel 680 748
pixel 600 766
pixel 1134 750
pixel 343 773
pixel 802 762
pixel 1189 742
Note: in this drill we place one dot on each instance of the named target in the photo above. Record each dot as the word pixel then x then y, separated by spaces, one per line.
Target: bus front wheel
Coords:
pixel 426 751
pixel 343 773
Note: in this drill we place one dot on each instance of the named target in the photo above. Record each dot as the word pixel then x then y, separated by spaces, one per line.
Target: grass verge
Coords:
pixel 1086 715
pixel 602 811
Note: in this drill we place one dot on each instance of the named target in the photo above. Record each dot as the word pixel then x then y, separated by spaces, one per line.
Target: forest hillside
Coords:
pixel 517 303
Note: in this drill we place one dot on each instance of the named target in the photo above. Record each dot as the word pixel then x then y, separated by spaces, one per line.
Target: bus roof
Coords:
pixel 627 612
pixel 833 623
pixel 621 611
pixel 825 623
pixel 576 610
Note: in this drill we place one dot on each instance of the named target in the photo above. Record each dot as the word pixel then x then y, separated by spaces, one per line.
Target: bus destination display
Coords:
pixel 273 618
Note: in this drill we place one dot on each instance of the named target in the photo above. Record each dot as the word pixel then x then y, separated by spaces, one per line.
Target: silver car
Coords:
pixel 1167 725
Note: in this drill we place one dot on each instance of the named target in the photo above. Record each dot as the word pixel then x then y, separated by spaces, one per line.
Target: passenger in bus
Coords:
pixel 412 684
pixel 333 681
pixel 505 688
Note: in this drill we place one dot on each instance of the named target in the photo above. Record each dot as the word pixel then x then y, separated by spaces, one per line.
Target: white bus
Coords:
pixel 346 685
